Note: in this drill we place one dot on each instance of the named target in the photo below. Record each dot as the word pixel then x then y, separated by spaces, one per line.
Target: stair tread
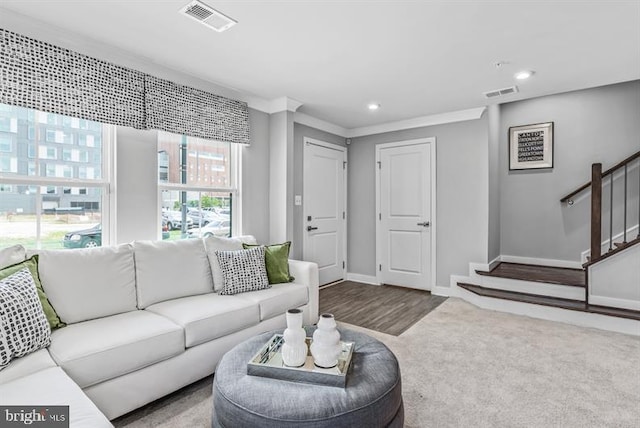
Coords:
pixel 556 302
pixel 536 273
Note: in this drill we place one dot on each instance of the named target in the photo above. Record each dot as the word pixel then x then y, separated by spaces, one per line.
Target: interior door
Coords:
pixel 404 215
pixel 324 209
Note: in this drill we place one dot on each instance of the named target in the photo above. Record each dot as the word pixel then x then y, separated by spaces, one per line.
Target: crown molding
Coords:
pixel 283 104
pixel 418 122
pixel 313 122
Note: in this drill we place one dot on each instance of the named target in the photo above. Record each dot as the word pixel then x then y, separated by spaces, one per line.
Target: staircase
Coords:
pixel 606 288
pixel 541 285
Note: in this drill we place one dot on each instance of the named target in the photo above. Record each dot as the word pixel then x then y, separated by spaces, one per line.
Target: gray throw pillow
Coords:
pixel 24 326
pixel 243 270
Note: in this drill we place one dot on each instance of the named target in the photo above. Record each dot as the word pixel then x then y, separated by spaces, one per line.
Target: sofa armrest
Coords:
pixel 306 273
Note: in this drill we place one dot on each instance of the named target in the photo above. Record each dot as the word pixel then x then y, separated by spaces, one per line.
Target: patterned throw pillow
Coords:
pixel 243 270
pixel 23 326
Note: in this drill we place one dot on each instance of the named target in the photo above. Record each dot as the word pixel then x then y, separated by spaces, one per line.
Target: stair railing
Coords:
pixel 595 185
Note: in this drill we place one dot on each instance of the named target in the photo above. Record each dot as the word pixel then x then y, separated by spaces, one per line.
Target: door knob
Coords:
pixel 310 228
pixel 424 224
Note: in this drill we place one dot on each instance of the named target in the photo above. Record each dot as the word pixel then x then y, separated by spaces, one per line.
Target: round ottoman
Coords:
pixel 372 397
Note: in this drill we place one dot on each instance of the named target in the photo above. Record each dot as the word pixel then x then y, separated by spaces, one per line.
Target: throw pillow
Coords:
pixel 23 325
pixel 216 243
pixel 243 270
pixel 32 265
pixel 276 258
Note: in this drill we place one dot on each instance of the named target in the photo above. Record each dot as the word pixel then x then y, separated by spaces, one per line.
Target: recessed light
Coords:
pixel 523 75
pixel 373 106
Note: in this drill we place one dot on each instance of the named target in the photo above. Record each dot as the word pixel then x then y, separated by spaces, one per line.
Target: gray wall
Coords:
pixel 461 196
pixel 255 178
pixel 593 125
pixel 136 185
pixel 299 133
pixel 493 115
pixel 281 176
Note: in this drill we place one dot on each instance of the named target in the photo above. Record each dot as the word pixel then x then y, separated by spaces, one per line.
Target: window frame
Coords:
pixel 235 151
pixel 38 182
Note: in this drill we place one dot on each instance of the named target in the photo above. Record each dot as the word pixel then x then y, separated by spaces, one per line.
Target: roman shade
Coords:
pixel 45 77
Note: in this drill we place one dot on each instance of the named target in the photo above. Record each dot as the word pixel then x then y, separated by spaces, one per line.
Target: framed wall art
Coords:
pixel 531 146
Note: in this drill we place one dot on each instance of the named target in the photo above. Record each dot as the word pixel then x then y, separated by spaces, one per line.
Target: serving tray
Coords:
pixel 267 362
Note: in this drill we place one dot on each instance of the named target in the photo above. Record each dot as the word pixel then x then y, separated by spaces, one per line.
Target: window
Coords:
pixel 47 202
pixel 197 181
pixel 5 143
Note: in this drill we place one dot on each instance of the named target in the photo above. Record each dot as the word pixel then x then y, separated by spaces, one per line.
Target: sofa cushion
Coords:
pixel 277 299
pixel 23 326
pixel 216 243
pixel 52 387
pixel 208 316
pixel 89 283
pixel 27 365
pixel 12 255
pixel 104 348
pixel 168 270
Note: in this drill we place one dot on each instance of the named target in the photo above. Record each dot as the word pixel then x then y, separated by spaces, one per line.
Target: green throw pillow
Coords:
pixel 32 265
pixel 276 259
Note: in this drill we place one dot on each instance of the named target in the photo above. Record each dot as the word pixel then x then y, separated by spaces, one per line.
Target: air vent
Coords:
pixel 501 92
pixel 208 16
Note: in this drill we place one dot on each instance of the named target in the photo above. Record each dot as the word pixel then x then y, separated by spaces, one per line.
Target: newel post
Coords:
pixel 596 210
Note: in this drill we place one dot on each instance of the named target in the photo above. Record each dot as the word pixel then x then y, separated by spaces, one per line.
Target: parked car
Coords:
pixel 202 218
pixel 85 238
pixel 216 228
pixel 92 237
pixel 174 220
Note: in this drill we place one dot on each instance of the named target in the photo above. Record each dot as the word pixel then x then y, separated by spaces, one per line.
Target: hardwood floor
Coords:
pixel 385 308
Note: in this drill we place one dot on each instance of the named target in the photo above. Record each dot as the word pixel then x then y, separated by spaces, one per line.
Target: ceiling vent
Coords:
pixel 208 16
pixel 501 92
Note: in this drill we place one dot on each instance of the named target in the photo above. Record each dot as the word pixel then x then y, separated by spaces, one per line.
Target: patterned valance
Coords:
pixel 185 110
pixel 38 75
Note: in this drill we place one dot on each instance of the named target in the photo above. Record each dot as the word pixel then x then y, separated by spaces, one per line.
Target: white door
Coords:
pixel 324 208
pixel 406 203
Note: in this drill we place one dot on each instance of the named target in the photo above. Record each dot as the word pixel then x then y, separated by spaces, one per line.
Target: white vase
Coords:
pixel 326 347
pixel 294 349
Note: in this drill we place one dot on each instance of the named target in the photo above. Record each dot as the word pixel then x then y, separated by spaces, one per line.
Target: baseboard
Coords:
pixel 541 262
pixel 493 263
pixel 365 279
pixel 438 290
pixel 634 305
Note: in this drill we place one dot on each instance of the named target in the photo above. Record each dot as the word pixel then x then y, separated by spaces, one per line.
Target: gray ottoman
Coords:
pixel 372 398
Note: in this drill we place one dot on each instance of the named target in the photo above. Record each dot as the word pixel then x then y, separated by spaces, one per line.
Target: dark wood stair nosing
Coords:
pixel 556 302
pixel 538 280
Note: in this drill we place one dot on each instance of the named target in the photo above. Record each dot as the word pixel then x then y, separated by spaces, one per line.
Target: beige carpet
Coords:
pixel 468 367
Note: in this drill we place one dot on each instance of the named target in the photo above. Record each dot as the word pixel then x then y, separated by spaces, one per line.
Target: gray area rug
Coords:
pixel 463 366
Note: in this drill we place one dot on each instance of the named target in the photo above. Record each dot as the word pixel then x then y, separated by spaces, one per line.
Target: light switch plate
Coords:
pixel 298 200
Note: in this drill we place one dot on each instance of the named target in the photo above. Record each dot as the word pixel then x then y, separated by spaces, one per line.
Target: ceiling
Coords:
pixel 415 58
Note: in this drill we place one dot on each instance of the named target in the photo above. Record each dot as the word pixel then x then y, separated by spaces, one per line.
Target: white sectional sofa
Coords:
pixel 143 320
